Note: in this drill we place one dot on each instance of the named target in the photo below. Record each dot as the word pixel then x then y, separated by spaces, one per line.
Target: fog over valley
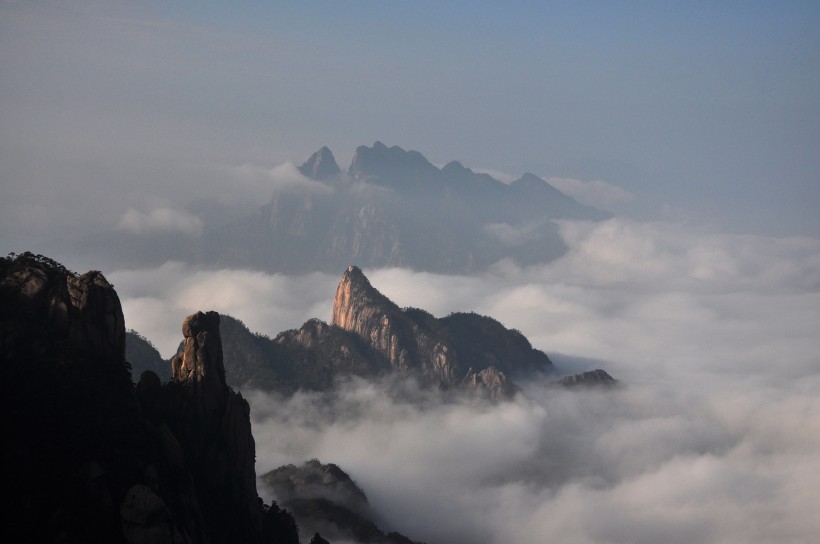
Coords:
pixel 713 437
pixel 435 272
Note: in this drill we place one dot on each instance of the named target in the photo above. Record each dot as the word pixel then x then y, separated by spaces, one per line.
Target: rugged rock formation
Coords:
pixel 321 166
pixel 324 498
pixel 489 383
pixel 441 351
pixel 213 424
pixel 91 459
pixel 371 337
pixel 84 310
pixel 591 378
pixel 314 480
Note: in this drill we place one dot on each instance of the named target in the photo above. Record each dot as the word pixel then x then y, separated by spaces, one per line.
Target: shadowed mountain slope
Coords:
pixel 323 498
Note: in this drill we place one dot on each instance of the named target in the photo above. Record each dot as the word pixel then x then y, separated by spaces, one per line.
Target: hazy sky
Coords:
pixel 710 109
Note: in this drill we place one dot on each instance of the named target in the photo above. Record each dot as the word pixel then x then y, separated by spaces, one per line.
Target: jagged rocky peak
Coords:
pixel 436 350
pixel 591 378
pixel 324 499
pixel 315 480
pixel 455 167
pixel 83 309
pixel 390 165
pixel 489 383
pixel 529 180
pixel 213 425
pixel 321 165
pixel 201 356
pixel 357 303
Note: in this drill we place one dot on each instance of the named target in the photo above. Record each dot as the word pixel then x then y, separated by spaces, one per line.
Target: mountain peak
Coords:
pixel 356 301
pixel 321 165
pixel 391 165
pixel 529 179
pixel 455 166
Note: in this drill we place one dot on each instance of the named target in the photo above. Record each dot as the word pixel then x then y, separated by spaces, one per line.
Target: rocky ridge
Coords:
pixel 590 378
pixel 91 458
pixel 324 498
pixel 446 351
pixel 369 336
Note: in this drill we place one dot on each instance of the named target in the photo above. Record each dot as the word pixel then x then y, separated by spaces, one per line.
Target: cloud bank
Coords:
pixel 160 220
pixel 714 439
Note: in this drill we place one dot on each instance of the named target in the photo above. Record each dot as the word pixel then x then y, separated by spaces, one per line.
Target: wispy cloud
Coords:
pixel 160 220
pixel 285 176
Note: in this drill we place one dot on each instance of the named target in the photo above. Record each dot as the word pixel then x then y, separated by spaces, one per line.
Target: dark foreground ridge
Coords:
pixel 91 458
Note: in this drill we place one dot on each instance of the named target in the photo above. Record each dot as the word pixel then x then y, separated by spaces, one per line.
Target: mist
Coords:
pixel 713 437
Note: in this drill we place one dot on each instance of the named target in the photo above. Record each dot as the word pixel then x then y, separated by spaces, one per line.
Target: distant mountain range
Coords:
pixel 394 208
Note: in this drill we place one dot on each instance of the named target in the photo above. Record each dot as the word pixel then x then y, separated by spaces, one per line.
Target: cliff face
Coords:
pixel 441 351
pixel 89 458
pixel 213 424
pixel 360 309
pixel 83 311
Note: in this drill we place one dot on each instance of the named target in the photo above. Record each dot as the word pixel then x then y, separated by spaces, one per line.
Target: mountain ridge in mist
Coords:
pixel 394 208
pixel 370 337
pixel 324 499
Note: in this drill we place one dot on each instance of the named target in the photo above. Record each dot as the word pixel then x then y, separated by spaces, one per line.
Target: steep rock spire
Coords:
pixel 321 165
pixel 213 425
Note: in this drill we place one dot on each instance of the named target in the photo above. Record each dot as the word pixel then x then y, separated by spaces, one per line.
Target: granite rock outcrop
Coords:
pixel 371 337
pixel 592 378
pixel 91 457
pixel 325 499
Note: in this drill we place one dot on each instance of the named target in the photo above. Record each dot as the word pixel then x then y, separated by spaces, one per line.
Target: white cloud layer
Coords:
pixel 285 176
pixel 160 220
pixel 714 439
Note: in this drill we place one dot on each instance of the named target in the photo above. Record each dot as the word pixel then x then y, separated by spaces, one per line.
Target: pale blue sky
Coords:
pixel 712 109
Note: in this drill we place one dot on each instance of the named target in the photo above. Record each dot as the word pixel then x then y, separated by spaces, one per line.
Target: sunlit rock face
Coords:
pixel 213 424
pixel 442 351
pixel 489 383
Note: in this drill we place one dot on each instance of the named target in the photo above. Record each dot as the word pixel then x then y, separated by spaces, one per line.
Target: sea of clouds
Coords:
pixel 713 438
